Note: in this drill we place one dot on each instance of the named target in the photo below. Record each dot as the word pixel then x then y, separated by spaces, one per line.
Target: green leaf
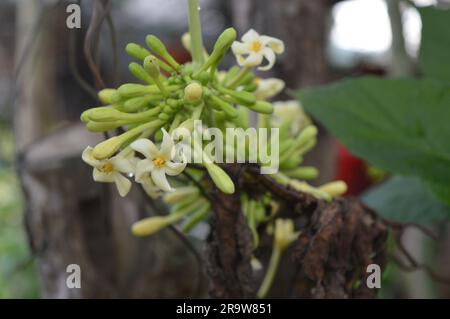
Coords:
pixel 435 46
pixel 406 199
pixel 402 126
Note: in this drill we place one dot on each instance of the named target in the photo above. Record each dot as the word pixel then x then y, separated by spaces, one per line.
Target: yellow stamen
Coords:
pixel 256 46
pixel 159 162
pixel 107 168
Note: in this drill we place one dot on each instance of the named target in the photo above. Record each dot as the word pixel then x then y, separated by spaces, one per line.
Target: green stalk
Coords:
pixel 270 274
pixel 195 31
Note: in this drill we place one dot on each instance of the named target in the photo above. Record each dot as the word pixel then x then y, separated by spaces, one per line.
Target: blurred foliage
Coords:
pixel 18 277
pixel 399 125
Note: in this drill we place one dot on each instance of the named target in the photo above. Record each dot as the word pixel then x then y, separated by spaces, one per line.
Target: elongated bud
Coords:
pixel 133 90
pixel 263 107
pixel 139 72
pixel 180 194
pixel 224 106
pixel 104 114
pixel 197 217
pixel 193 93
pixel 284 233
pixel 186 41
pixel 96 127
pixel 336 188
pixel 306 135
pixel 107 148
pixel 105 96
pixel 220 178
pixel 305 173
pixel 151 225
pixel 152 67
pixel 159 48
pixel 136 51
pixel 135 104
pixel 241 97
pixel 223 43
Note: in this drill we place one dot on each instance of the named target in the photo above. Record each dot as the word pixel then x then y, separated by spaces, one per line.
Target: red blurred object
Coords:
pixel 352 170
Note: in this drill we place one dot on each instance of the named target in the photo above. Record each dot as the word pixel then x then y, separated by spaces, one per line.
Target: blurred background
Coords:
pixel 52 214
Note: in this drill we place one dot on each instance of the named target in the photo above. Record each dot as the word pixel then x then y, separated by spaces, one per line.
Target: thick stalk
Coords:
pixel 195 31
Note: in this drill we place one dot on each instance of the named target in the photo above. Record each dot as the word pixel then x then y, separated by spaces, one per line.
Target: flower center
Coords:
pixel 256 46
pixel 107 168
pixel 159 162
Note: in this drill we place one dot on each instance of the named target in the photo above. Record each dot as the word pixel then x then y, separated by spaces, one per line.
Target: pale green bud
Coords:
pixel 152 67
pixel 159 48
pixel 136 51
pixel 193 93
pixel 107 148
pixel 263 107
pixel 133 90
pixel 105 96
pixel 284 233
pixel 151 225
pixel 139 72
pixel 220 178
pixel 224 106
pixel 335 189
pixel 305 173
pixel 180 194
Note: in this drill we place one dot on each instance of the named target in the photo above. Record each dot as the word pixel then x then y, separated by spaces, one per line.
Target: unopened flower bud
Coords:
pixel 107 148
pixel 284 233
pixel 193 93
pixel 220 178
pixel 336 188
pixel 105 96
pixel 151 225
pixel 152 67
pixel 262 107
pixel 136 51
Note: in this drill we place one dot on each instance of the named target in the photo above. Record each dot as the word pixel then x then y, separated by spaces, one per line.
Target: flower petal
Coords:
pixel 253 59
pixel 174 169
pixel 89 158
pixel 122 164
pixel 250 36
pixel 143 167
pixel 270 56
pixel 145 147
pixel 166 145
pixel 275 44
pixel 160 179
pixel 101 177
pixel 239 48
pixel 123 184
pixel 149 187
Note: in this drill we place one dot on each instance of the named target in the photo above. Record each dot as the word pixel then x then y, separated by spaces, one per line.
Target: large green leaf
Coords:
pixel 406 199
pixel 435 46
pixel 402 126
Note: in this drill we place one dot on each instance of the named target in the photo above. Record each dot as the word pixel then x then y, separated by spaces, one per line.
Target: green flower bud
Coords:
pixel 159 48
pixel 262 107
pixel 164 117
pixel 334 189
pixel 193 93
pixel 107 148
pixel 105 96
pixel 133 90
pixel 220 178
pixel 136 51
pixel 305 173
pixel 241 97
pixel 224 106
pixel 151 225
pixel 152 67
pixel 135 104
pixel 104 114
pixel 97 127
pixel 139 72
pixel 180 194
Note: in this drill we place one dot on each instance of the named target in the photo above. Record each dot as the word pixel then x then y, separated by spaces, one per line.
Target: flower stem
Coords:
pixel 271 271
pixel 242 73
pixel 195 31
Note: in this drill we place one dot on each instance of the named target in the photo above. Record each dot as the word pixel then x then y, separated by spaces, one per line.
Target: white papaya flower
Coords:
pixel 268 88
pixel 157 163
pixel 110 170
pixel 254 48
pixel 292 112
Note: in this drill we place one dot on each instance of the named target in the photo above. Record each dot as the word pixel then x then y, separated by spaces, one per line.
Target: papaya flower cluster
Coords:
pixel 142 119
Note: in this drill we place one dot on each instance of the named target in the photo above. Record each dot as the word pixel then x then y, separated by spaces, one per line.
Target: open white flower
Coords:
pixel 292 112
pixel 157 163
pixel 110 170
pixel 254 48
pixel 268 88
